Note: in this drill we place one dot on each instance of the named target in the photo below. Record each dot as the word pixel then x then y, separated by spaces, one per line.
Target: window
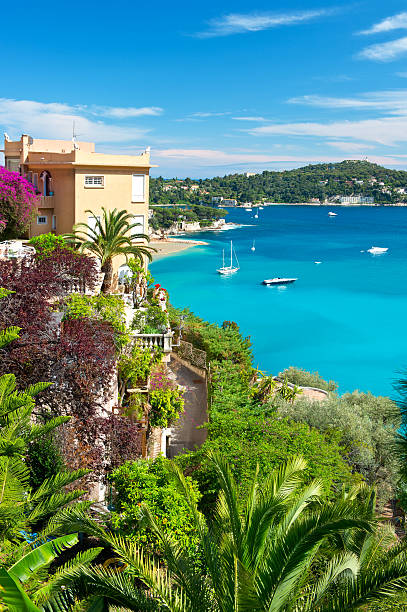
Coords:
pixel 137 188
pixel 140 228
pixel 92 223
pixel 94 181
pixel 13 165
pixel 30 177
pixel 42 220
pixel 54 222
pixel 35 180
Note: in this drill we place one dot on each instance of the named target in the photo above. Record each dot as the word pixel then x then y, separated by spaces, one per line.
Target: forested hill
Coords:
pixel 319 181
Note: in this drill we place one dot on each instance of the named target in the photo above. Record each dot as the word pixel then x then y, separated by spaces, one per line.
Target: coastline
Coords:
pixel 171 246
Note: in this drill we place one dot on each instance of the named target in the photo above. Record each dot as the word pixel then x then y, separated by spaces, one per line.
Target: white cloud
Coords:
pixel 187 159
pixel 126 113
pixel 390 101
pixel 385 52
pixel 236 23
pixel 205 115
pixel 386 130
pixel 396 22
pixel 55 120
pixel 250 119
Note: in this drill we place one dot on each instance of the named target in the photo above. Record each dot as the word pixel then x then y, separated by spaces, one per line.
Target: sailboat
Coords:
pixel 256 216
pixel 227 270
pixel 253 247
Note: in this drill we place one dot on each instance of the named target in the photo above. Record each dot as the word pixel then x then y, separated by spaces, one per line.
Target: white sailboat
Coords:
pixel 256 216
pixel 254 246
pixel 231 269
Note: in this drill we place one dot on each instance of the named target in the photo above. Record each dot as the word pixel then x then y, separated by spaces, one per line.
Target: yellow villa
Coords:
pixel 72 178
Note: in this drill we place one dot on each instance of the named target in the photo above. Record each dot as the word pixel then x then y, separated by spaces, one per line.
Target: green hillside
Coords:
pixel 321 181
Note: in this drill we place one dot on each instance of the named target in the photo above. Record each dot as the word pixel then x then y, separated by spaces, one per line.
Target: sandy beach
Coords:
pixel 170 246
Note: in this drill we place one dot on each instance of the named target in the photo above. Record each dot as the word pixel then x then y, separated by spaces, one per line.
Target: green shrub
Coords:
pixel 247 440
pixel 103 307
pixel 45 244
pixel 307 379
pixel 153 320
pixel 365 426
pixel 134 367
pixel 149 482
pixel 44 459
pixel 166 406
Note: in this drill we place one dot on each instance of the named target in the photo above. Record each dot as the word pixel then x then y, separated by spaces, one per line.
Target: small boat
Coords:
pixel 253 247
pixel 279 281
pixel 248 208
pixel 228 270
pixel 260 207
pixel 332 214
pixel 317 262
pixel 377 250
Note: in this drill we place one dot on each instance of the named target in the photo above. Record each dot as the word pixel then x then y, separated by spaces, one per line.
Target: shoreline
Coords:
pixel 171 246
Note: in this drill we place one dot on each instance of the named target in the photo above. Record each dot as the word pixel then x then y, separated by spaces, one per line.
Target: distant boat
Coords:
pixel 279 281
pixel 228 270
pixel 317 262
pixel 332 214
pixel 253 247
pixel 260 207
pixel 256 216
pixel 377 250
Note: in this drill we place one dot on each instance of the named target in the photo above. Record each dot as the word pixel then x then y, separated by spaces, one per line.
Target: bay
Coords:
pixel 344 318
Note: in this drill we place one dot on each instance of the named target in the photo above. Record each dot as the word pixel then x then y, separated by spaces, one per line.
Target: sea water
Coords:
pixel 345 317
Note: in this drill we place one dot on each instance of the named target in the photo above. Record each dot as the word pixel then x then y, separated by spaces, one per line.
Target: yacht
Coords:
pixel 377 250
pixel 332 214
pixel 279 281
pixel 231 269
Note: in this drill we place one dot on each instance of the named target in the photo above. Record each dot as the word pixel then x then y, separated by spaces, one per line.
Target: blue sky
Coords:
pixel 212 87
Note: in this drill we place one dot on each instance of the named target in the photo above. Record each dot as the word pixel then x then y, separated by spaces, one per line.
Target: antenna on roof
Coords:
pixel 75 144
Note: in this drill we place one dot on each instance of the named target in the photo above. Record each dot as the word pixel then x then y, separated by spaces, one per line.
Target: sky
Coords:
pixel 212 87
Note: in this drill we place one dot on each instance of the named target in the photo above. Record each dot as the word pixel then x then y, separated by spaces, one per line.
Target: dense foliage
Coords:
pixel 18 203
pixel 149 482
pixel 322 181
pixel 300 377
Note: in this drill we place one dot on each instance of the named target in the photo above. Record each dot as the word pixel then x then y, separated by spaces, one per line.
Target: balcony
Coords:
pixel 46 201
pixel 154 341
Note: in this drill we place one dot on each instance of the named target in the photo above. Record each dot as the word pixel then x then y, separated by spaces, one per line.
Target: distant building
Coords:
pixel 247 174
pixel 229 202
pixel 358 199
pixel 194 187
pixel 217 199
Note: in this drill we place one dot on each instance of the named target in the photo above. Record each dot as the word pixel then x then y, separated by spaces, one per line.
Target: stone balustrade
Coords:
pixel 153 341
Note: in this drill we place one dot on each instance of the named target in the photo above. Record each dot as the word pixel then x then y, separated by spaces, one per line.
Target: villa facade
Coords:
pixel 71 178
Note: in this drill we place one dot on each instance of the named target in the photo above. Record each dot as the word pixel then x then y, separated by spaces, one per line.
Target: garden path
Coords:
pixel 185 433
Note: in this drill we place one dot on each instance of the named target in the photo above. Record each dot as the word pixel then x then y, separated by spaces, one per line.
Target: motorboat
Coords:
pixel 260 207
pixel 231 269
pixel 317 262
pixel 332 214
pixel 279 281
pixel 254 246
pixel 374 250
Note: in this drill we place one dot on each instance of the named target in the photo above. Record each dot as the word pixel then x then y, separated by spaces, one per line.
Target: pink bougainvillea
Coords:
pixel 18 203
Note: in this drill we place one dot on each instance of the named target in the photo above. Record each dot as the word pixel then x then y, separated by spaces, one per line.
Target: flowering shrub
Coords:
pixel 148 482
pixel 18 203
pixel 166 400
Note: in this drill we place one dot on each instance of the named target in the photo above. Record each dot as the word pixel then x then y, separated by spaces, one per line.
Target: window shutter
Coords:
pixel 139 229
pixel 138 182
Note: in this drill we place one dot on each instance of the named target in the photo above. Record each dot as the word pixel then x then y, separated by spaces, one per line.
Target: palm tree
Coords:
pixel 282 549
pixel 108 237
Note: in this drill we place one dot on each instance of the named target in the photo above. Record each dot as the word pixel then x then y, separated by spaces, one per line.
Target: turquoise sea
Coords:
pixel 345 318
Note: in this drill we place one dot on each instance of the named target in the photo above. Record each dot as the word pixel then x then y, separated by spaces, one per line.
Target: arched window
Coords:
pixel 46 179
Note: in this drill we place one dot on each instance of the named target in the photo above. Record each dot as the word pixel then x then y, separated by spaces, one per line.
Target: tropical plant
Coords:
pixel 109 237
pixel 282 549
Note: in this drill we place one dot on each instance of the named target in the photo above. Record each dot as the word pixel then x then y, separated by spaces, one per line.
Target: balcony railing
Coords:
pixel 153 341
pixel 46 201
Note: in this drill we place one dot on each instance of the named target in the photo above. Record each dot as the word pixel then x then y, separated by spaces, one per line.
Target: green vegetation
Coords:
pixel 45 244
pixel 164 218
pixel 148 483
pixel 307 379
pixel 322 181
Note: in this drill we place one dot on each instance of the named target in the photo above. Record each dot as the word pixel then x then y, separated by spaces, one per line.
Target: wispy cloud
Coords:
pixel 394 102
pixel 54 120
pixel 238 23
pixel 403 75
pixel 387 130
pixel 118 112
pixel 385 52
pixel 253 118
pixel 395 22
pixel 206 115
